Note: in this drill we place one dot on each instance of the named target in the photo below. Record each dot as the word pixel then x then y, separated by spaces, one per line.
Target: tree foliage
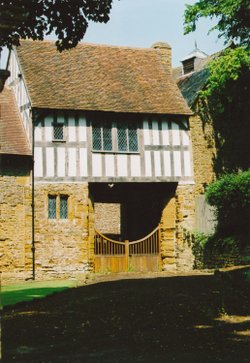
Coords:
pixel 226 99
pixel 231 197
pixel 36 18
pixel 226 94
pixel 233 18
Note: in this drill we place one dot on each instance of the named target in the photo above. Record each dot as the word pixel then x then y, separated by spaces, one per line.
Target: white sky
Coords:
pixel 141 23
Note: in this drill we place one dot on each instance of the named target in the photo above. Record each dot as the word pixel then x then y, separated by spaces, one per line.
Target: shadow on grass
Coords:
pixel 175 319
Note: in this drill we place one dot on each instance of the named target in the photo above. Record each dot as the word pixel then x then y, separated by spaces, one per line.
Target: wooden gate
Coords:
pixel 142 255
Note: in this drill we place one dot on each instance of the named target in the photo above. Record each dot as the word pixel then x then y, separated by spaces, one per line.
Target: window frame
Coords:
pixel 52 197
pixel 63 197
pixel 114 134
pixel 58 124
pixel 57 213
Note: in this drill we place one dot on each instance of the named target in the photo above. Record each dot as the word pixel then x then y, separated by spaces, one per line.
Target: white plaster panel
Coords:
pixel 122 165
pixel 61 161
pixel 50 161
pixel 146 133
pixel 155 133
pixel 167 163
pixel 109 165
pixel 185 137
pixel 148 166
pixel 26 122
pixel 135 162
pixel 187 163
pixel 48 129
pixel 165 133
pixel 176 133
pixel 71 129
pixel 82 129
pixel 97 165
pixel 177 163
pixel 38 132
pixel 157 163
pixel 83 162
pixel 71 161
pixel 38 157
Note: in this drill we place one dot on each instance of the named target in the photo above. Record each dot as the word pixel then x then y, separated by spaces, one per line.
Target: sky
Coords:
pixel 141 23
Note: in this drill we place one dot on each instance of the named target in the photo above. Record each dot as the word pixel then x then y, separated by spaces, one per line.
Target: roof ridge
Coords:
pixel 91 44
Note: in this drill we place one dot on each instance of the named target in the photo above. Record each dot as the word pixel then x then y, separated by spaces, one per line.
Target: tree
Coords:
pixel 36 18
pixel 227 92
pixel 233 18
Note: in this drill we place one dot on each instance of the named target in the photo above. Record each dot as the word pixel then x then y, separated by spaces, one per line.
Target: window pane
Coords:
pixel 58 132
pixel 63 206
pixel 96 138
pixel 133 139
pixel 122 138
pixel 107 138
pixel 52 207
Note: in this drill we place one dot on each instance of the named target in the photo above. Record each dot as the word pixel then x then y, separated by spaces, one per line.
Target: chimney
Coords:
pixel 166 53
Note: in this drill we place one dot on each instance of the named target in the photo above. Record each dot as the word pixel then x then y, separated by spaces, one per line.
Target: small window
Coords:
pixel 58 132
pixel 102 137
pixel 52 207
pixel 63 206
pixel 62 202
pixel 127 138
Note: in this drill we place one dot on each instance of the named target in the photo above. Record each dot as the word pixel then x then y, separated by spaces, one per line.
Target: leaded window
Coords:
pixel 116 137
pixel 52 206
pixel 127 138
pixel 102 137
pixel 62 202
pixel 58 133
pixel 63 206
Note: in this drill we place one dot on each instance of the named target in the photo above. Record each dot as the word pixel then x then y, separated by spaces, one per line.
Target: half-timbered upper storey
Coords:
pixel 102 113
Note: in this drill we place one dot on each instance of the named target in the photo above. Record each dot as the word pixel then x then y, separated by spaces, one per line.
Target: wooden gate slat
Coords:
pixel 122 256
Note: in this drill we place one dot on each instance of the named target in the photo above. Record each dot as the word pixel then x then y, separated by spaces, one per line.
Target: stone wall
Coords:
pixel 63 246
pixel 204 151
pixel 185 213
pixel 177 219
pixel 15 218
pixel 168 236
pixel 108 218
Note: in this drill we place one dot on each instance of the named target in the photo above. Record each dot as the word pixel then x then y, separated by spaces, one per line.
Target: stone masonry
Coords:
pixel 15 227
pixel 62 245
pixel 204 150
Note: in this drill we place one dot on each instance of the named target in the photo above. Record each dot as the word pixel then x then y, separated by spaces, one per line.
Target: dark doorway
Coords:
pixel 141 204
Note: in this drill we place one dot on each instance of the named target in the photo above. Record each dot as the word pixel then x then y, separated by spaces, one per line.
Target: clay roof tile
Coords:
pixel 99 78
pixel 13 139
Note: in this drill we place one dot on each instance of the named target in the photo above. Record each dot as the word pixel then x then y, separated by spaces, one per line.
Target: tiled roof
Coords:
pixel 12 136
pixel 190 84
pixel 99 77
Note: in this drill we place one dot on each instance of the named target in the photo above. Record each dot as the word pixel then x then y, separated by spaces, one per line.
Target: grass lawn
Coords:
pixel 13 294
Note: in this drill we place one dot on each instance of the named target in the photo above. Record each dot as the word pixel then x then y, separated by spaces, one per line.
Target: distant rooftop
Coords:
pixel 196 53
pixel 12 135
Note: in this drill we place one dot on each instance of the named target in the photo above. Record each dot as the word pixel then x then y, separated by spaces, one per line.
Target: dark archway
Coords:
pixel 141 204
